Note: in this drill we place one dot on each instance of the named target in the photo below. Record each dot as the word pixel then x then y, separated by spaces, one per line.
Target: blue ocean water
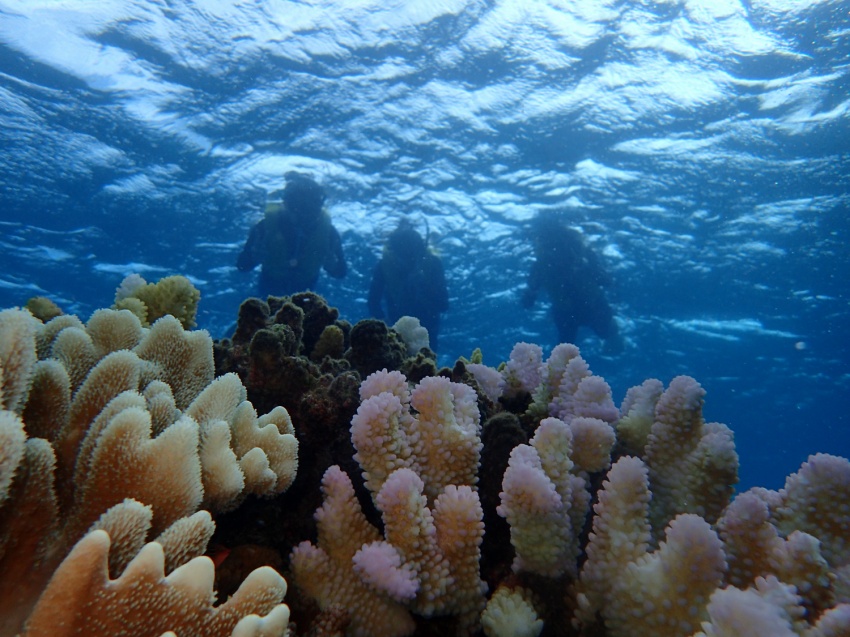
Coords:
pixel 701 146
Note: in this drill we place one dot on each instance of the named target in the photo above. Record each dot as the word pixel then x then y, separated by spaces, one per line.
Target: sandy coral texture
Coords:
pixel 117 443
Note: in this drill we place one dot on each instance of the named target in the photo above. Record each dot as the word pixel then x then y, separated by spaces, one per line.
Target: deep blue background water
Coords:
pixel 700 145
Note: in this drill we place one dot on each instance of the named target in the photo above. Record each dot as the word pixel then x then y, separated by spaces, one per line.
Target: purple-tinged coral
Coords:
pixel 693 466
pixel 428 558
pixel 326 572
pixel 770 609
pixel 488 379
pixel 522 370
pixel 755 549
pixel 630 588
pixel 441 443
pixel 380 566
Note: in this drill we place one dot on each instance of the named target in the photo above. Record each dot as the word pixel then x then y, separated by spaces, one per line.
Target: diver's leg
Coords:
pixel 565 322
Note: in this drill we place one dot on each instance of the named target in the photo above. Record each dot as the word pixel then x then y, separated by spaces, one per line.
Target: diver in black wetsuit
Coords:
pixel 409 281
pixel 294 241
pixel 574 279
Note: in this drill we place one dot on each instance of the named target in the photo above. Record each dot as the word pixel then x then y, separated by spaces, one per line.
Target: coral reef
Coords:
pixel 469 500
pixel 414 335
pixel 173 295
pixel 295 352
pixel 43 308
pixel 543 502
pixel 134 436
pixel 632 536
pixel 420 470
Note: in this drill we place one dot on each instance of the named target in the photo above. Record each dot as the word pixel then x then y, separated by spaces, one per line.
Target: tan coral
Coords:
pixel 42 308
pixel 81 599
pixel 271 438
pixel 72 346
pixel 184 359
pixel 124 462
pixel 48 332
pixel 111 331
pixel 240 452
pixel 112 431
pixel 17 357
pixel 171 295
pixel 12 439
pixel 49 402
pixel 163 472
pixel 116 373
pixel 29 534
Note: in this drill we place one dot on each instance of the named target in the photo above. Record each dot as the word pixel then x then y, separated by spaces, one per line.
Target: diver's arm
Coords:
pixel 250 256
pixel 376 292
pixel 335 264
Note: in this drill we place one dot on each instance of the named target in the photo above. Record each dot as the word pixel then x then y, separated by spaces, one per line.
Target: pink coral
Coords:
pixel 379 565
pixel 441 443
pixel 758 612
pixel 488 379
pixel 538 518
pixel 427 560
pixel 693 466
pixel 522 371
pixel 325 572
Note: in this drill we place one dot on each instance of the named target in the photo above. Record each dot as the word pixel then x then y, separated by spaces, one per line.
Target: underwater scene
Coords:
pixel 363 318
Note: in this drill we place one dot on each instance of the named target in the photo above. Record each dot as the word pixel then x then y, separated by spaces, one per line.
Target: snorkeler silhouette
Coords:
pixel 409 281
pixel 571 274
pixel 294 241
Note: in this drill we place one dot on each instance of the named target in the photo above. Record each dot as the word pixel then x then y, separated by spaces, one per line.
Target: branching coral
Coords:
pixel 628 582
pixel 539 495
pixel 420 470
pixel 441 443
pixel 628 586
pixel 172 295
